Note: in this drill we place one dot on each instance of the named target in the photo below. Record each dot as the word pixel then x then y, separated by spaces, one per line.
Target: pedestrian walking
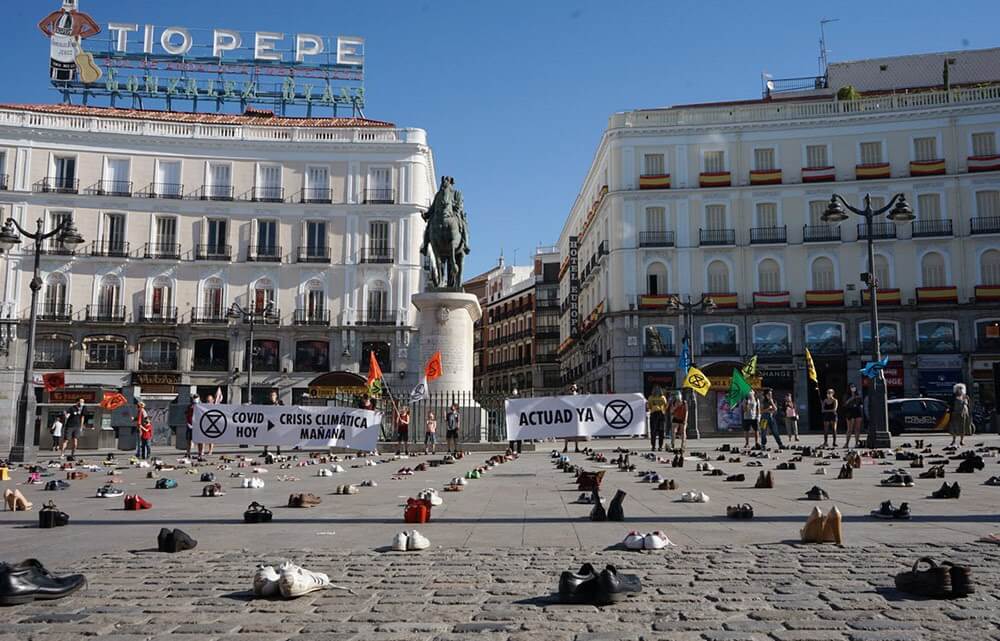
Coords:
pixel 403 430
pixel 678 421
pixel 768 421
pixel 751 420
pixel 853 411
pixel 453 421
pixel 56 430
pixel 829 407
pixel 658 408
pixel 791 418
pixel 960 424
pixel 430 434
pixel 75 420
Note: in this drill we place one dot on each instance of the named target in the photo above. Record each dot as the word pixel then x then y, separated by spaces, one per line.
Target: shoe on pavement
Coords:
pixel 400 541
pixel 416 541
pixel 633 541
pixel 294 581
pixel 656 540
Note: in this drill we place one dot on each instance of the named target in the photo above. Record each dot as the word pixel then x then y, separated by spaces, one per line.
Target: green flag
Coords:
pixel 738 389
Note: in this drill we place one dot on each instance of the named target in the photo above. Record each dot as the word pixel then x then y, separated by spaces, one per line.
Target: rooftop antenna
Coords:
pixel 823 51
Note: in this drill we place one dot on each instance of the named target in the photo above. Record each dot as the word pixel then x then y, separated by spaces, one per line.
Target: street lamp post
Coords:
pixel 897 211
pixel 687 310
pixel 250 316
pixel 23 450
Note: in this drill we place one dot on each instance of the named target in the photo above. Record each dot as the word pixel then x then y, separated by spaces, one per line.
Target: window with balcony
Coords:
pixel 718 278
pixel 655 233
pixel 380 186
pixel 53 352
pixel 930 220
pixel 925 149
pixel 116 180
pixel 715 161
pixel 379 249
pixel 317 188
pixel 763 159
pixel 823 274
pixel 158 354
pixel 653 165
pixel 266 355
pixel 377 310
pixel 816 157
pixel 889 337
pixel 825 337
pixel 220 181
pixel 719 339
pixel 105 353
pixel 988 334
pixel 314 310
pixel 989 267
pixel 769 276
pixel 161 301
pixel 772 339
pixel 64 175
pixel 984 144
pixel 932 270
pixel 988 204
pixel 113 237
pixel 268 188
pixel 656 279
pixel 382 352
pixel 871 153
pixel 216 245
pixel 937 337
pixel 109 300
pixel 767 215
pixel 53 245
pixel 165 239
pixel 312 356
pixel 659 340
pixel 54 305
pixel 168 179
pixel 316 249
pixel 263 296
pixel 882 272
pixel 212 306
pixel 266 245
pixel 211 355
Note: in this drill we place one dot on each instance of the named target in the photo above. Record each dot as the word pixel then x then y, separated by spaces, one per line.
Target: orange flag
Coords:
pixel 374 371
pixel 433 369
pixel 113 400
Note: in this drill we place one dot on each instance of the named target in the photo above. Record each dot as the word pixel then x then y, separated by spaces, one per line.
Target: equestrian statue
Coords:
pixel 446 237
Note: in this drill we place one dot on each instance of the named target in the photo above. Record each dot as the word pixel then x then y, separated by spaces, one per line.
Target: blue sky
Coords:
pixel 514 95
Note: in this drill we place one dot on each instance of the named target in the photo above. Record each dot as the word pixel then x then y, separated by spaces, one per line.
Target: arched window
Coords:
pixel 823 275
pixel 314 301
pixel 212 307
pixel 656 279
pixel 312 356
pixel 772 339
pixel 659 340
pixel 266 355
pixel 109 297
pixel 769 275
pixel 989 267
pixel 718 277
pixel 825 337
pixel 105 352
pixel 932 271
pixel 888 337
pixel 882 272
pixel 937 337
pixel 161 300
pixel 158 354
pixel 263 295
pixel 656 219
pixel 719 339
pixel 55 296
pixel 377 312
pixel 211 355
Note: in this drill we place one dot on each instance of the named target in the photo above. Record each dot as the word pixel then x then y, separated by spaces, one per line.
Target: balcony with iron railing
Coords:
pixel 656 239
pixel 266 194
pixel 210 363
pixel 930 228
pixel 212 251
pixel 547 332
pixel 53 247
pixel 113 188
pixel 550 357
pixel 378 255
pixel 106 313
pixel 316 195
pixel 768 235
pixel 209 315
pixel 172 191
pixel 157 315
pixel 263 315
pixel 106 362
pixel 215 192
pixel 169 251
pixel 55 312
pixel 985 225
pixel 547 302
pixel 377 317
pixel 314 254
pixel 263 253
pixel 709 237
pixel 878 231
pixel 380 196
pixel 165 363
pixel 304 316
pixel 109 248
pixel 820 233
pixel 57 185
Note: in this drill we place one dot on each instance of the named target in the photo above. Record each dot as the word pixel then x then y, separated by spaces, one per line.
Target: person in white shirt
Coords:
pixel 56 430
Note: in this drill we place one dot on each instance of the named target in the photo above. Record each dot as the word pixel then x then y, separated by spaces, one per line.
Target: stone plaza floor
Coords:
pixel 496 552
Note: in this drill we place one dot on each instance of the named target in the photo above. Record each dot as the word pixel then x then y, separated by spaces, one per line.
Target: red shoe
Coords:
pixel 141 503
pixel 130 503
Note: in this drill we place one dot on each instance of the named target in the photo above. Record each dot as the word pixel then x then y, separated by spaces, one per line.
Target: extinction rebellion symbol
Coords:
pixel 212 424
pixel 618 414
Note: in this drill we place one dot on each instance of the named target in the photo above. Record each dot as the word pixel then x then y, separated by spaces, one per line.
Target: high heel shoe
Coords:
pixel 21 503
pixel 615 511
pixel 812 531
pixel 8 500
pixel 833 530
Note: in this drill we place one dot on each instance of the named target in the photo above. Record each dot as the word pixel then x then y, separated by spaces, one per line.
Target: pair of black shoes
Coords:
pixel 50 516
pixel 944 581
pixel 174 541
pixel 946 491
pixel 57 484
pixel 597 588
pixel 257 513
pixel 29 580
pixel 970 465
pixel 614 512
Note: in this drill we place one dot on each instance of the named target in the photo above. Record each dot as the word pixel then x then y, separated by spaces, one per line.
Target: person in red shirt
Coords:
pixel 145 439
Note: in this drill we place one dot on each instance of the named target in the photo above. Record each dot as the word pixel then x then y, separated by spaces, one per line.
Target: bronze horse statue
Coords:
pixel 446 236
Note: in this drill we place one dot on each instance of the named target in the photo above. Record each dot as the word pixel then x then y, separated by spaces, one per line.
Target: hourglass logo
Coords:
pixel 66 28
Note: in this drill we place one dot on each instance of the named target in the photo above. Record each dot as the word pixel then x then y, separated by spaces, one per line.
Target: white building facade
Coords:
pixel 725 201
pixel 313 224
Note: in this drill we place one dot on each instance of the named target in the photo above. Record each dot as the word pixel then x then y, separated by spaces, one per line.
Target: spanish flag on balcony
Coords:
pixel 926 167
pixel 765 177
pixel 818 174
pixel 825 298
pixel 654 302
pixel 936 295
pixel 872 171
pixel 885 297
pixel 986 293
pixel 771 299
pixel 725 301
pixel 715 179
pixel 984 163
pixel 658 181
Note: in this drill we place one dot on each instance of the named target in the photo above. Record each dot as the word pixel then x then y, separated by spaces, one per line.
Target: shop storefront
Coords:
pixel 714 413
pixel 937 374
pixel 666 381
pixel 98 431
pixel 986 380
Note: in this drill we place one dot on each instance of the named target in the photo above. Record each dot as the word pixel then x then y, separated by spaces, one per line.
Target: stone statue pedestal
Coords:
pixel 445 320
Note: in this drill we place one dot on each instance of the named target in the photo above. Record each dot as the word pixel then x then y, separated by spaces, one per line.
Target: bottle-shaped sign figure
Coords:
pixel 66 28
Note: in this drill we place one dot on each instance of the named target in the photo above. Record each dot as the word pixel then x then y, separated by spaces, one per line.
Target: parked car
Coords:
pixel 918 415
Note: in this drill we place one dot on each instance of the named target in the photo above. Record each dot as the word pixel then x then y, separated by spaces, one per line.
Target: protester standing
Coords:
pixel 960 424
pixel 189 418
pixel 403 430
pixel 56 430
pixel 207 448
pixel 657 403
pixel 145 438
pixel 573 391
pixel 829 409
pixel 853 412
pixel 751 417
pixel 453 421
pixel 768 413
pixel 678 420
pixel 75 419
pixel 430 434
pixel 273 400
pixel 791 418
pixel 141 418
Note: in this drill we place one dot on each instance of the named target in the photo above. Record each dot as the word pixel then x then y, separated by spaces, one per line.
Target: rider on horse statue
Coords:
pixel 447 234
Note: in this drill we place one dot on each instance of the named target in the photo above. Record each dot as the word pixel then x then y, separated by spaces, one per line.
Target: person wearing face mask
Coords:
pixel 829 408
pixel 75 418
pixel 853 411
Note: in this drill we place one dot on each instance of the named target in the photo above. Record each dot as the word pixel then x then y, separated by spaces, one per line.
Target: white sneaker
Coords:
pixel 633 540
pixel 324 472
pixel 656 540
pixel 462 481
pixel 256 483
pixel 337 469
pixel 295 581
pixel 260 470
pixel 432 496
pixel 350 489
pixel 417 541
pixel 701 497
pixel 245 483
pixel 400 541
pixel 265 581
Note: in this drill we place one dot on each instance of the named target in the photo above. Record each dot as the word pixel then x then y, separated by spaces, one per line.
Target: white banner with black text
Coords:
pixel 305 427
pixel 580 415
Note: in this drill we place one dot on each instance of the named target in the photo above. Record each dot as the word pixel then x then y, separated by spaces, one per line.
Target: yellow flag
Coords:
pixel 697 381
pixel 750 369
pixel 811 367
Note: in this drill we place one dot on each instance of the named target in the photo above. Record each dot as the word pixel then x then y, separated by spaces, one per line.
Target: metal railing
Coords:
pixel 210 315
pixel 547 302
pixel 161 315
pixel 267 194
pixel 717 236
pixel 926 228
pixel 311 317
pixel 985 225
pixel 55 312
pixel 205 251
pixel 114 188
pixel 210 364
pixel 765 235
pixel 58 185
pixel 720 349
pixel 111 248
pixel 108 364
pixel 656 239
pixel 263 253
pixel 319 195
pixel 878 231
pixel 380 196
pixel 376 317
pixel 162 250
pixel 312 254
pixel 547 331
pixel 216 192
pixel 164 364
pixel 820 233
pixel 106 313
pixel 377 255
pixel 173 191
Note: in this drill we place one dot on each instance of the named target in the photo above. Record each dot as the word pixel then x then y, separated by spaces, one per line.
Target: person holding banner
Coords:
pixel 657 404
